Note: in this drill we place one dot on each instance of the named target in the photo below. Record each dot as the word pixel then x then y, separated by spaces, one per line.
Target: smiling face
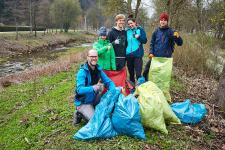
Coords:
pixel 131 24
pixel 92 57
pixel 103 37
pixel 163 23
pixel 120 23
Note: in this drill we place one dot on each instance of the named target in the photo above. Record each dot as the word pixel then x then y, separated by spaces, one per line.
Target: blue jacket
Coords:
pixel 135 46
pixel 163 42
pixel 84 90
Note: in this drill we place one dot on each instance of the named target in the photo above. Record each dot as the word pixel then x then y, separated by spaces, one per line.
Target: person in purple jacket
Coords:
pixel 162 42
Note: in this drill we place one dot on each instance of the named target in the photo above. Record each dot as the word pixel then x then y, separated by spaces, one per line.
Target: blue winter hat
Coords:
pixel 102 31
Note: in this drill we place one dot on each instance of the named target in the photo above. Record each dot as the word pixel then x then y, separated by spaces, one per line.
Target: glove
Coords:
pixel 101 87
pixel 137 36
pixel 117 41
pixel 150 56
pixel 109 47
pixel 96 88
pixel 176 34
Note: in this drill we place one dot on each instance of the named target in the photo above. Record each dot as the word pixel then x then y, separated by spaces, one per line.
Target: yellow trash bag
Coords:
pixel 160 73
pixel 154 108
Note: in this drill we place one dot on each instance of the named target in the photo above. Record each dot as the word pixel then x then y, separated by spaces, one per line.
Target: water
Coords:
pixel 21 63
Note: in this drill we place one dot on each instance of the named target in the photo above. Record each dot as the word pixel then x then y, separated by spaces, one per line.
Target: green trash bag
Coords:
pixel 160 73
pixel 154 108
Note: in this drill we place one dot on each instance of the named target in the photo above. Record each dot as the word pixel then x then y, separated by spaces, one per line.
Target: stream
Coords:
pixel 21 63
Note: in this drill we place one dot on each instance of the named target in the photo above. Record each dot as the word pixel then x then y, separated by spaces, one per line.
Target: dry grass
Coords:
pixel 194 53
pixel 61 64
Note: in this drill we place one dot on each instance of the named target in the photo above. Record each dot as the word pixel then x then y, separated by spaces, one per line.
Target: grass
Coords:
pixel 38 115
pixel 27 39
pixel 176 84
pixel 196 51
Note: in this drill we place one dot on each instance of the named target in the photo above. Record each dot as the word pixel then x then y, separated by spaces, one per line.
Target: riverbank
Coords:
pixel 28 44
pixel 29 52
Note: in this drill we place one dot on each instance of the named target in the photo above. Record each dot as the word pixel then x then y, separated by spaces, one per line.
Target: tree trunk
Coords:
pixel 35 25
pixel 137 8
pixel 220 94
pixel 129 7
pixel 30 15
pixel 16 29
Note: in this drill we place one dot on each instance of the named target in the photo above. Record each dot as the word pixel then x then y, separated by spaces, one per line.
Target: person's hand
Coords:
pixel 96 88
pixel 150 56
pixel 117 41
pixel 137 36
pixel 101 87
pixel 176 34
pixel 109 47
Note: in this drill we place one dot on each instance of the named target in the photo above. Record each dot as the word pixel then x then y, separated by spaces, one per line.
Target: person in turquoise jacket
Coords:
pixel 88 87
pixel 136 37
pixel 105 51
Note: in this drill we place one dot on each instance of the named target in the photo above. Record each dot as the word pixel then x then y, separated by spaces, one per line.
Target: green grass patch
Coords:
pixel 38 115
pixel 3 59
pixel 177 84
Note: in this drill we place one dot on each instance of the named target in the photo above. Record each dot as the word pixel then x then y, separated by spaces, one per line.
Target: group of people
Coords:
pixel 115 50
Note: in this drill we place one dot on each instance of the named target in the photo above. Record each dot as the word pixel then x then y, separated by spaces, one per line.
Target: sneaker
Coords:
pixel 76 118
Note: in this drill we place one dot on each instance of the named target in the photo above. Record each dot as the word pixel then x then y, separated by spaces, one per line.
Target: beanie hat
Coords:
pixel 102 31
pixel 164 16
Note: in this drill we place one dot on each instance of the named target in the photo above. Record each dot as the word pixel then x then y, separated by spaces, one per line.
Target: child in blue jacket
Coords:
pixel 162 42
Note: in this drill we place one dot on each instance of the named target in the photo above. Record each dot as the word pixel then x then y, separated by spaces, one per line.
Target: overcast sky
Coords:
pixel 149 6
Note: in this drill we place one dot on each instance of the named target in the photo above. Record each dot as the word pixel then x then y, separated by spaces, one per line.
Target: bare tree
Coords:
pixel 220 94
pixel 137 8
pixel 65 12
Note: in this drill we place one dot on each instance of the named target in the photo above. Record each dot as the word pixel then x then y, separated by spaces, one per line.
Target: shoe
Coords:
pixel 77 117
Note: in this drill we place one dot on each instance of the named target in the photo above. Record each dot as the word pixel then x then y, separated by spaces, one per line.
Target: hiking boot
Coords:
pixel 77 117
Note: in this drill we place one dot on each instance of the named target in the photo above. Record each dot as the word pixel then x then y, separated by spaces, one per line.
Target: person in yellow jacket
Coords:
pixel 106 54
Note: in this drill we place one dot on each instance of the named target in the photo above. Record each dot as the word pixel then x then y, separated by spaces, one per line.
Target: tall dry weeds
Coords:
pixel 194 53
pixel 61 64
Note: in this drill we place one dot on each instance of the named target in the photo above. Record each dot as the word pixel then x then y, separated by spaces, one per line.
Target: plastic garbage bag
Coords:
pixel 126 117
pixel 100 125
pixel 160 74
pixel 154 108
pixel 140 80
pixel 117 76
pixel 188 112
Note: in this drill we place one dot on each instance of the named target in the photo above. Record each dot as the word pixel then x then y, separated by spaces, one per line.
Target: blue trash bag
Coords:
pixel 100 125
pixel 126 118
pixel 188 112
pixel 140 81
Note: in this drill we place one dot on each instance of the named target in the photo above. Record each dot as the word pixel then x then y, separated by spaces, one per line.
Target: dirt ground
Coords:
pixel 201 89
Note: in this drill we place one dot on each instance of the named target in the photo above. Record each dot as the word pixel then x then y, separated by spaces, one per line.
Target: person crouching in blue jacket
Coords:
pixel 162 42
pixel 88 88
pixel 136 37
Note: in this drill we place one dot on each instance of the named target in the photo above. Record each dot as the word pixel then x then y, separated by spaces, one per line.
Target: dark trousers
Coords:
pixel 134 65
pixel 146 70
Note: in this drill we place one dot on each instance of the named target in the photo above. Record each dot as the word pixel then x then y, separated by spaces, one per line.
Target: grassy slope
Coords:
pixel 38 115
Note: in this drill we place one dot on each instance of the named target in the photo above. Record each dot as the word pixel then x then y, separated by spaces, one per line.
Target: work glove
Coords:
pixel 176 34
pixel 96 88
pixel 150 56
pixel 101 87
pixel 109 47
pixel 117 41
pixel 137 36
